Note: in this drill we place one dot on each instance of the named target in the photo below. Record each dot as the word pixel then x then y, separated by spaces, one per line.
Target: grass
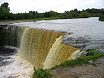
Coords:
pixel 92 55
pixel 40 73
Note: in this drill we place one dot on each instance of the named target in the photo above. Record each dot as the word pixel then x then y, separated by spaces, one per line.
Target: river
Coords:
pixel 90 28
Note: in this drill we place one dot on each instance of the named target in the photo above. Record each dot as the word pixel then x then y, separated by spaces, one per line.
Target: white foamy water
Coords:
pixel 18 68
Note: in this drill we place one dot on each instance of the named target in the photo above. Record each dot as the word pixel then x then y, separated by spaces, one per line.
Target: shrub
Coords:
pixel 40 73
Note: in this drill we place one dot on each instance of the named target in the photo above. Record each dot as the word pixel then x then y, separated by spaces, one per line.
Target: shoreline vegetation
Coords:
pixel 6 22
pixel 101 18
pixel 6 15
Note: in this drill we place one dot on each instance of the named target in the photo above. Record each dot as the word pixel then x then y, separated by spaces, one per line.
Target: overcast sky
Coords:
pixel 47 5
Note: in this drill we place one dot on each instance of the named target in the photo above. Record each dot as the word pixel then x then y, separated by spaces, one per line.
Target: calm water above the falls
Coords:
pixel 91 27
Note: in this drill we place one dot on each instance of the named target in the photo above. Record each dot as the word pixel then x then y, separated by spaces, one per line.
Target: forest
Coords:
pixel 5 14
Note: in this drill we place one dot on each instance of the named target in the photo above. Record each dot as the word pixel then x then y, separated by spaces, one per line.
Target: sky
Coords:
pixel 17 6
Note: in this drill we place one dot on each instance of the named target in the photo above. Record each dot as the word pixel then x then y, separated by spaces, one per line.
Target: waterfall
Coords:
pixel 11 35
pixel 59 53
pixel 36 43
pixel 42 48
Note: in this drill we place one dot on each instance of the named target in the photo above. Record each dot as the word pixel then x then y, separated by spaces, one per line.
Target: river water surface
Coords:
pixel 90 29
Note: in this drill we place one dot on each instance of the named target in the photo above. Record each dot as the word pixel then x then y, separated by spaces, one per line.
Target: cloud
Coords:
pixel 56 5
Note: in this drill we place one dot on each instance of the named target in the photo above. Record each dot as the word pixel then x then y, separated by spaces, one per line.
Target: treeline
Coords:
pixel 5 14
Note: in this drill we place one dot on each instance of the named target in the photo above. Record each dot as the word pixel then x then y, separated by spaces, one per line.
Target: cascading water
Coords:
pixel 37 44
pixel 40 47
pixel 11 66
pixel 11 35
pixel 59 53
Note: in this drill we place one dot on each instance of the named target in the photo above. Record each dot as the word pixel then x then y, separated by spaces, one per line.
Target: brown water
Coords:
pixel 37 44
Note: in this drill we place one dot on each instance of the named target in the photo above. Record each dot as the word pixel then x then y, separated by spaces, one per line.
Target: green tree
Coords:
pixel 75 13
pixel 33 14
pixel 4 11
pixel 84 15
pixel 50 14
pixel 67 14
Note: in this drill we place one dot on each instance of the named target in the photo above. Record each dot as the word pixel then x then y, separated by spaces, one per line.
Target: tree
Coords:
pixel 67 14
pixel 50 14
pixel 75 13
pixel 4 11
pixel 84 15
pixel 33 14
pixel 71 14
